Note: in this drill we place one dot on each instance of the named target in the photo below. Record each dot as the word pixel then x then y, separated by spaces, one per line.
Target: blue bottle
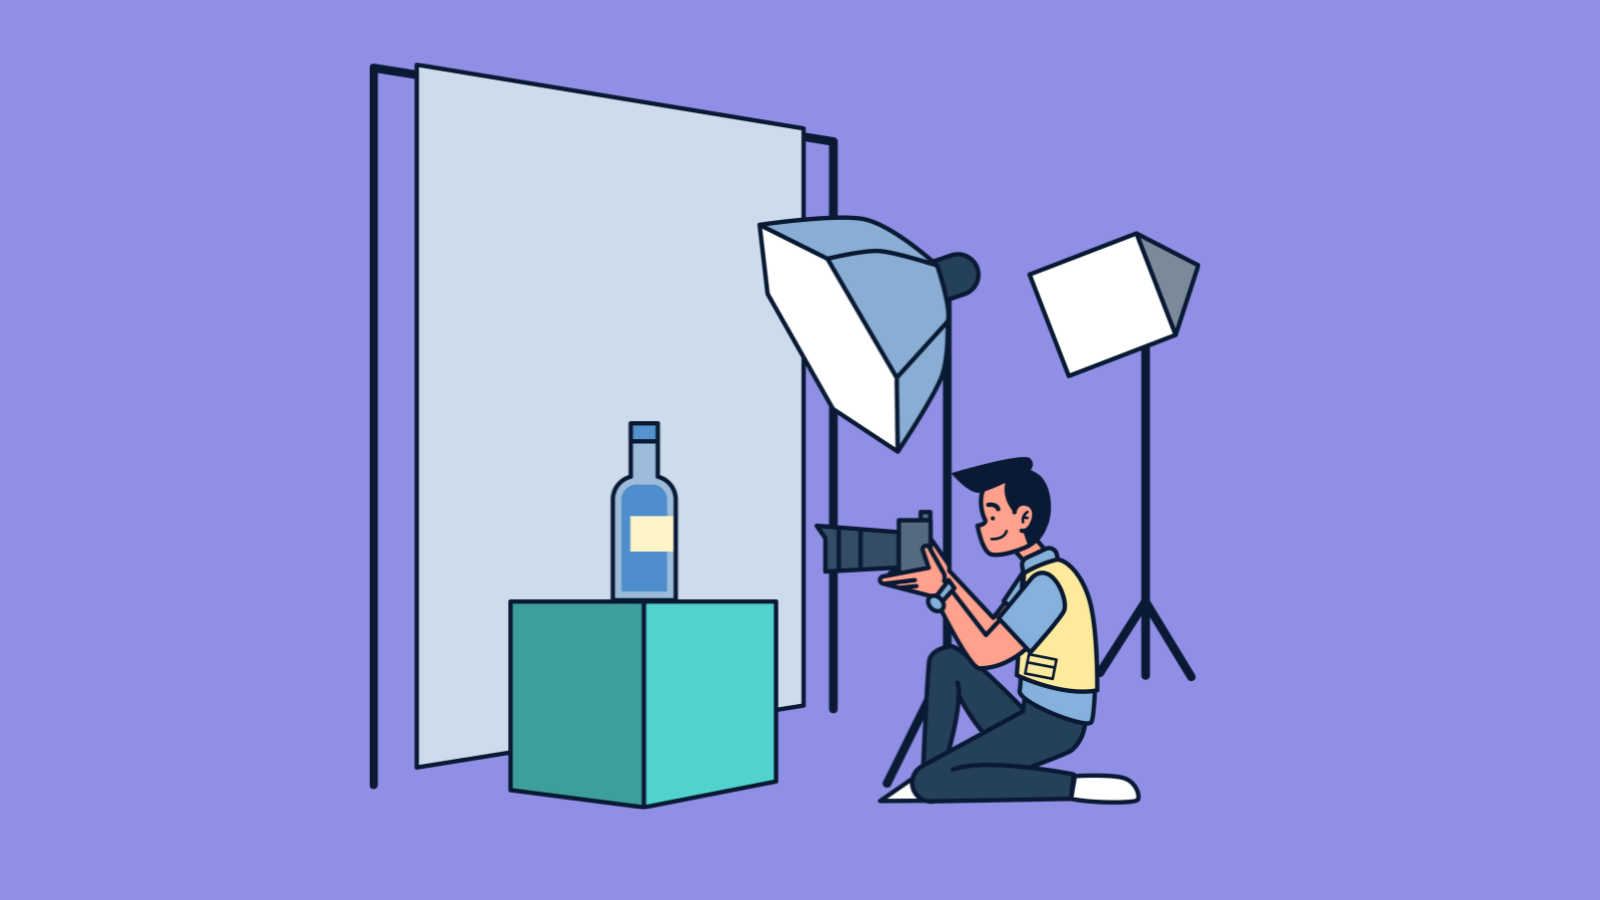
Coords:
pixel 644 523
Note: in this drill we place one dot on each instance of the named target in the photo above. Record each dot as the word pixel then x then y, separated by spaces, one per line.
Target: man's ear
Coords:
pixel 1024 515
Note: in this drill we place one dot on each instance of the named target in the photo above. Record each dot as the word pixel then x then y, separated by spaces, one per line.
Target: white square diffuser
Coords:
pixel 1114 299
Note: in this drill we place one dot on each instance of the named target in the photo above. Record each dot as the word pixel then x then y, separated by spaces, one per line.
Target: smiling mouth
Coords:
pixel 1001 535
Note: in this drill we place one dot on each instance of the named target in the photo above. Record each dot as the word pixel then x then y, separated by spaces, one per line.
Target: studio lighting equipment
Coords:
pixel 1103 304
pixel 868 311
pixel 870 314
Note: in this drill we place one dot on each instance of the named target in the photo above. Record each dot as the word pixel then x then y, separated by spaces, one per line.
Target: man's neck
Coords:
pixel 1028 551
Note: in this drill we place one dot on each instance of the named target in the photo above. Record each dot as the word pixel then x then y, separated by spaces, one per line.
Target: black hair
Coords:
pixel 1023 487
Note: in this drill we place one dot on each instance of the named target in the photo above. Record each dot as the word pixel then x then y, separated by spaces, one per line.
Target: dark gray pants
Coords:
pixel 1001 761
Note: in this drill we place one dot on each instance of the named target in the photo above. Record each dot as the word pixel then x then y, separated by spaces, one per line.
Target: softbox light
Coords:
pixel 1119 297
pixel 869 312
pixel 1103 304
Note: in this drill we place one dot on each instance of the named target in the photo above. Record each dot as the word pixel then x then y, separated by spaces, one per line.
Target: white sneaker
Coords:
pixel 1105 789
pixel 901 794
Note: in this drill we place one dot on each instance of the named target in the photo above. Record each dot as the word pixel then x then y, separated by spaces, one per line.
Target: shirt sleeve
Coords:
pixel 1035 610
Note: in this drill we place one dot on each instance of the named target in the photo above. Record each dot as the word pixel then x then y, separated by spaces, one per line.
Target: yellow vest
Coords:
pixel 1067 656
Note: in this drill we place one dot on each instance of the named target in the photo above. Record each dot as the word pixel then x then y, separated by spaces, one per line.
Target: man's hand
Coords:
pixel 924 581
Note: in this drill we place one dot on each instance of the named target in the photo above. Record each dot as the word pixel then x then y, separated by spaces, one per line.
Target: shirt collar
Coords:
pixel 1044 555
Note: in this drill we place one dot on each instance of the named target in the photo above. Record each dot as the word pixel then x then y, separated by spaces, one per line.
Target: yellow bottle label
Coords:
pixel 650 534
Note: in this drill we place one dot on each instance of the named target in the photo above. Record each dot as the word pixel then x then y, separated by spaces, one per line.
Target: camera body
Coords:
pixel 850 549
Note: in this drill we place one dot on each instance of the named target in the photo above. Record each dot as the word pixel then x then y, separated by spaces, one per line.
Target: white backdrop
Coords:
pixel 584 261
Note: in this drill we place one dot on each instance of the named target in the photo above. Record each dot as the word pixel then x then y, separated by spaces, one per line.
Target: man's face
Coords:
pixel 1000 532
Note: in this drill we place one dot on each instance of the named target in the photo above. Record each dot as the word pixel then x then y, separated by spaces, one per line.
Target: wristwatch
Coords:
pixel 936 602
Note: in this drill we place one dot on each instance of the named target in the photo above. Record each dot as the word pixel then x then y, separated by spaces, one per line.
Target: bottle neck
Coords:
pixel 644 463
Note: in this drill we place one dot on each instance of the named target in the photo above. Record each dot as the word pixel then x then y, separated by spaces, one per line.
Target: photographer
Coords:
pixel 1045 623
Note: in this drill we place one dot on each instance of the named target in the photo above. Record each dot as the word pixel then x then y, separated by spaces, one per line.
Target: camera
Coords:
pixel 898 549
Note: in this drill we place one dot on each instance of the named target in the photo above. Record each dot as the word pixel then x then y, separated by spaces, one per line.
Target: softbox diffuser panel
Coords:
pixel 1105 302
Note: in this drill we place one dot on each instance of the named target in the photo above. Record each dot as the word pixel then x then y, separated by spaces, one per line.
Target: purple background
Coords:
pixel 1374 446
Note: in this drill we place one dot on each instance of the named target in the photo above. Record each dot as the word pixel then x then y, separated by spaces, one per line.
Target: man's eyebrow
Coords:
pixel 993 506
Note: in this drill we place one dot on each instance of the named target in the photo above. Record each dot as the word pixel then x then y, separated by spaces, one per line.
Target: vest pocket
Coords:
pixel 1040 666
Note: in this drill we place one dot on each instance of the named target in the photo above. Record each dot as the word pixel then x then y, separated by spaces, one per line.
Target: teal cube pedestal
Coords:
pixel 643 702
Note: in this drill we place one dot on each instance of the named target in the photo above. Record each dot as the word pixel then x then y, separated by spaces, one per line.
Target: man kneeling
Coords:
pixel 1046 623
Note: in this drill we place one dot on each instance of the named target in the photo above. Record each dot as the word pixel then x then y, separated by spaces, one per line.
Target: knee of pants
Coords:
pixel 946 657
pixel 929 781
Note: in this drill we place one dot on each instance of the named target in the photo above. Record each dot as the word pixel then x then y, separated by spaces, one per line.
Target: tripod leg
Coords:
pixel 1116 645
pixel 905 745
pixel 1171 644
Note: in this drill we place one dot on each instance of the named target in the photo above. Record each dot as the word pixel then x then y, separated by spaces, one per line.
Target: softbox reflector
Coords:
pixel 868 311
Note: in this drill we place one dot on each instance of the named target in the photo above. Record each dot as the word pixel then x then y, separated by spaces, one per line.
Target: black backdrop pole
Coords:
pixel 373 71
pixel 372 434
pixel 833 453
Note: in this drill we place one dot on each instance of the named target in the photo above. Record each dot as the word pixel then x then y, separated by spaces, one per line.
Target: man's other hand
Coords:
pixel 923 581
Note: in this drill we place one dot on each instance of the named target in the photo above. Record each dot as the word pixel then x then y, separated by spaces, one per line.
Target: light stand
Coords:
pixel 1145 612
pixel 1101 305
pixel 833 519
pixel 921 717
pixel 870 314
